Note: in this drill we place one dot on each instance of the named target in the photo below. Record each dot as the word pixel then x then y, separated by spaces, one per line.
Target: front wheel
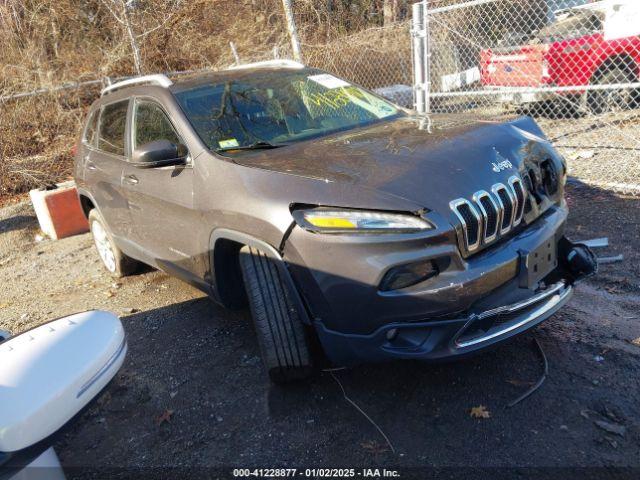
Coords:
pixel 116 262
pixel 281 334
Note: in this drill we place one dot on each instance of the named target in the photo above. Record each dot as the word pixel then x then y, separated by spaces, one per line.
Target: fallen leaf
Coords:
pixel 5 305
pixel 581 154
pixel 611 441
pixel 636 342
pixel 109 293
pixel 611 427
pixel 611 415
pixel 480 412
pixel 586 154
pixel 165 417
pixel 374 447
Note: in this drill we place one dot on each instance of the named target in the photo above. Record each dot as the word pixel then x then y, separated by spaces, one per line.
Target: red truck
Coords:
pixel 597 44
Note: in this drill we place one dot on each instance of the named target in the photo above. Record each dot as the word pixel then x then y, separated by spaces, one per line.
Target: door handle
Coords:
pixel 131 180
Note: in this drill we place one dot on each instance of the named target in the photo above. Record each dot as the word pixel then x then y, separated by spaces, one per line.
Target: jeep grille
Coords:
pixel 490 215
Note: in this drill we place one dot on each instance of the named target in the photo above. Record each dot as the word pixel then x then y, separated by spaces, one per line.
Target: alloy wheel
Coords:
pixel 103 244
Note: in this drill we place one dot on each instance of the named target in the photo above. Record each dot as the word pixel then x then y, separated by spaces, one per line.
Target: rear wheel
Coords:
pixel 615 100
pixel 116 262
pixel 281 334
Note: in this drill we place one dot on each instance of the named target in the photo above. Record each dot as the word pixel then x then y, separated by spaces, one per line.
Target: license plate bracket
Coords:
pixel 538 263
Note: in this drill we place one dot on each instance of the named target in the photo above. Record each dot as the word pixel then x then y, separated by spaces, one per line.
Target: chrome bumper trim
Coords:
pixel 553 295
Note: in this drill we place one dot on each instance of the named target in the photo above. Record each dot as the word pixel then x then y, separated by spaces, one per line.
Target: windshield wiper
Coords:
pixel 254 146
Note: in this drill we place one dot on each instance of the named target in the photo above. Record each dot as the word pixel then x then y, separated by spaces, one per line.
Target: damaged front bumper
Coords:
pixel 478 329
pixel 445 339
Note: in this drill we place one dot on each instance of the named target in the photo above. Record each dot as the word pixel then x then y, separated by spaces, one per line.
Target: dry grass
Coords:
pixel 375 57
pixel 47 43
pixel 37 136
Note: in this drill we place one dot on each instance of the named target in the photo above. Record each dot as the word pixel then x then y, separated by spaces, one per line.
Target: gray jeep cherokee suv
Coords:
pixel 345 221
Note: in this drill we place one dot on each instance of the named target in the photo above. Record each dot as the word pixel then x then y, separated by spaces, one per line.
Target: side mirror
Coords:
pixel 50 373
pixel 159 153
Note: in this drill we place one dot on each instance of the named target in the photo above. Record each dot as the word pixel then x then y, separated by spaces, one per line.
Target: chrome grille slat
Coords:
pixel 490 215
pixel 471 227
pixel 506 202
pixel 519 197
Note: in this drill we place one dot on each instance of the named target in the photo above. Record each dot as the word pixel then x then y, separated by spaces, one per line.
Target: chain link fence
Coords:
pixel 573 65
pixel 377 58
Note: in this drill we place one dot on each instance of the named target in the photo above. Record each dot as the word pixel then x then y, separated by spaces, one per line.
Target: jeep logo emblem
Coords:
pixel 501 164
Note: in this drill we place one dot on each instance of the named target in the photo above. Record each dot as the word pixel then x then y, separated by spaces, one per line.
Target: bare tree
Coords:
pixel 291 26
pixel 122 16
pixel 393 10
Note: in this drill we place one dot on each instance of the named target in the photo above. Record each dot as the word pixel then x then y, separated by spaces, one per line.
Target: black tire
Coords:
pixel 120 265
pixel 604 101
pixel 281 334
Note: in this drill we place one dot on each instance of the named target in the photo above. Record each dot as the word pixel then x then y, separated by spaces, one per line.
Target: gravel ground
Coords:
pixel 603 150
pixel 191 357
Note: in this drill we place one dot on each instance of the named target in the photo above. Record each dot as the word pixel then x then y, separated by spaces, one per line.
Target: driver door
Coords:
pixel 160 199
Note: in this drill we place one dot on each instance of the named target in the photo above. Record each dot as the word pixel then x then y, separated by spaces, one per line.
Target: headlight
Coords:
pixel 327 220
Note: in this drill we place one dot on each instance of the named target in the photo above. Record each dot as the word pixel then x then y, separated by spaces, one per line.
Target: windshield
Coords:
pixel 571 25
pixel 279 107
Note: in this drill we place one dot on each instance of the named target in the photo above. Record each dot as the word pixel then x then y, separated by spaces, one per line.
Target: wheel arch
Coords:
pixel 86 202
pixel 226 276
pixel 622 60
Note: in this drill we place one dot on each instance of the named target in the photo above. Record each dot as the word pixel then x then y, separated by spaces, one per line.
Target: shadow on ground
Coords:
pixel 18 222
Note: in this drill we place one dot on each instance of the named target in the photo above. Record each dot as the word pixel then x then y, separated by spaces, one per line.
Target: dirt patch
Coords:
pixel 200 361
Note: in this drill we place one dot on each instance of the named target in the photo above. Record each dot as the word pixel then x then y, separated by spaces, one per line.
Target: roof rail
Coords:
pixel 283 63
pixel 158 79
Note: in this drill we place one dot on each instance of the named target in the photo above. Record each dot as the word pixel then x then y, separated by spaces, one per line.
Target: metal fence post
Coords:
pixel 418 54
pixel 236 57
pixel 427 58
pixel 293 32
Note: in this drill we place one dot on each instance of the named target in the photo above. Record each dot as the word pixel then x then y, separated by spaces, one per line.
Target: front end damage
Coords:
pixel 505 313
pixel 494 262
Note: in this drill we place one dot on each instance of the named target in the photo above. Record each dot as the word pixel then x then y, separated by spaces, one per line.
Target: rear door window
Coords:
pixel 113 123
pixel 151 124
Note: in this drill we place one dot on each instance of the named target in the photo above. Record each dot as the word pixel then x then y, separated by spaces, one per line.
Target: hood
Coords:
pixel 427 162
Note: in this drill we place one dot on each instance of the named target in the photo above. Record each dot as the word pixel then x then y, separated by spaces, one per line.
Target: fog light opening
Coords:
pixel 407 275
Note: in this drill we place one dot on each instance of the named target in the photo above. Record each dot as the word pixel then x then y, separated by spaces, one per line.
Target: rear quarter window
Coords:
pixel 113 123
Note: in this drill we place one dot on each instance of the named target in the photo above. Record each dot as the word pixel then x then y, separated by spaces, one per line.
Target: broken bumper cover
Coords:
pixel 439 340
